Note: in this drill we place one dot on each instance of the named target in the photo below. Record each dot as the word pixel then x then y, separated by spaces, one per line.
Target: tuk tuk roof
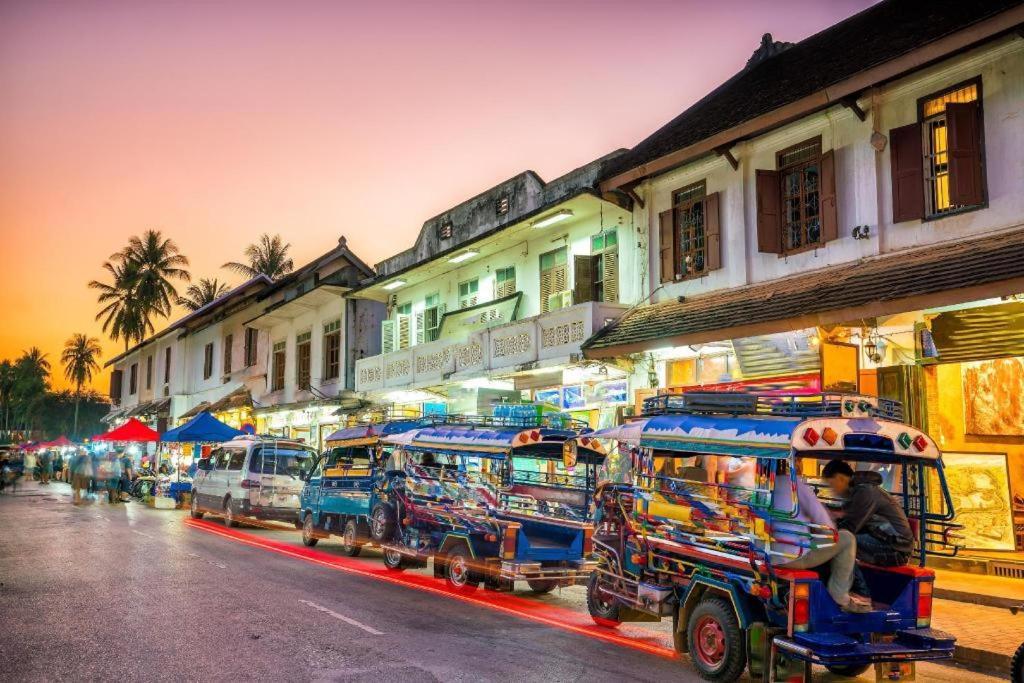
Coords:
pixel 372 431
pixel 493 442
pixel 721 435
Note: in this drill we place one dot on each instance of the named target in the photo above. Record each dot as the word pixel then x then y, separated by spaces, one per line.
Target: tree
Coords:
pixel 202 293
pixel 31 381
pixel 156 263
pixel 79 358
pixel 122 313
pixel 268 256
pixel 7 379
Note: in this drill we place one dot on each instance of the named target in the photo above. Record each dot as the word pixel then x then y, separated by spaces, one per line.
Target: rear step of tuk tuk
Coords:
pixel 836 649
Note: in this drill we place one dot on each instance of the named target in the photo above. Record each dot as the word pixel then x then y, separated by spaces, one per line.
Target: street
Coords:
pixel 125 592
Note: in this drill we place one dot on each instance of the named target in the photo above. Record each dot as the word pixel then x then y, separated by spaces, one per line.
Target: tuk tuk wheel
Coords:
pixel 382 522
pixel 350 544
pixel 458 570
pixel 309 537
pixel 1017 665
pixel 603 608
pixel 715 641
pixel 542 586
pixel 394 560
pixel 849 671
pixel 194 510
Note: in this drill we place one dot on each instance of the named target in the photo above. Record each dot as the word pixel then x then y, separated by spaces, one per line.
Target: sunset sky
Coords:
pixel 217 121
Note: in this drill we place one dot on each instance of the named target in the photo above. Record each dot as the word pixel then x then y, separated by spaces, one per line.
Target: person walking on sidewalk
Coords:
pixel 81 475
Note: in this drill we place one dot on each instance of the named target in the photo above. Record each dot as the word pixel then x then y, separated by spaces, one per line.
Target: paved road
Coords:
pixel 124 592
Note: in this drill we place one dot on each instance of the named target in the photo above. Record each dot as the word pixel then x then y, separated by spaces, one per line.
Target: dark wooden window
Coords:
pixel 277 363
pixel 208 361
pixel 332 350
pixel 690 234
pixel 149 372
pixel 596 276
pixel 167 365
pixel 796 204
pixel 133 379
pixel 303 357
pixel 229 341
pixel 116 380
pixel 251 344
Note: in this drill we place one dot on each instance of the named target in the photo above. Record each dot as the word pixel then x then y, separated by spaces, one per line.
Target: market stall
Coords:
pixel 183 445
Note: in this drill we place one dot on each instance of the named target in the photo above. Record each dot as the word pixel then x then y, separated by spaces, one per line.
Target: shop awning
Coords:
pixel 132 430
pixel 112 415
pixel 939 275
pixel 237 399
pixel 150 408
pixel 195 410
pixel 203 428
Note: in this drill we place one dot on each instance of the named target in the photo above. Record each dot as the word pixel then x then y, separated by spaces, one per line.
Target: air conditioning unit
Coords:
pixel 559 300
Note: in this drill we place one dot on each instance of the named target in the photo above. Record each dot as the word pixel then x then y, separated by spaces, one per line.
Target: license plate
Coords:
pixel 895 671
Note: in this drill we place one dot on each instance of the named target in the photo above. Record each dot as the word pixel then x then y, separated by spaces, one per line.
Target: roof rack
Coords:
pixel 792 405
pixel 517 421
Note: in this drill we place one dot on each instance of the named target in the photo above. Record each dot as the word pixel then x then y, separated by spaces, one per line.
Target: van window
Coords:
pixel 220 456
pixel 289 460
pixel 236 456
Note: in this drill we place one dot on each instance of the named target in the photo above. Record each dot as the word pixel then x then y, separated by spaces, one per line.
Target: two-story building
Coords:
pixel 847 213
pixel 495 298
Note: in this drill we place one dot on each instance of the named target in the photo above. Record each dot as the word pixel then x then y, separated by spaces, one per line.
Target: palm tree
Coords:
pixel 156 262
pixel 31 379
pixel 268 256
pixel 79 358
pixel 123 314
pixel 204 292
pixel 7 377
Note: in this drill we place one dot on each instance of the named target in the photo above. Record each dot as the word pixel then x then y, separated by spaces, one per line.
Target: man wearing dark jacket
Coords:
pixel 883 533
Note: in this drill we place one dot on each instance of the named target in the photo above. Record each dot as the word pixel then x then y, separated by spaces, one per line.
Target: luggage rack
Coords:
pixel 549 421
pixel 741 403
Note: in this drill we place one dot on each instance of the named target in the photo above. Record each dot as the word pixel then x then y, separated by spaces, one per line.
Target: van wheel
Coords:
pixel 309 537
pixel 850 671
pixel 350 544
pixel 542 586
pixel 194 511
pixel 715 641
pixel 229 516
pixel 603 608
pixel 382 522
pixel 394 560
pixel 459 572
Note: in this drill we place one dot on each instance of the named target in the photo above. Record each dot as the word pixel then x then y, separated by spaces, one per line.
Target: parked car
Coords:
pixel 252 477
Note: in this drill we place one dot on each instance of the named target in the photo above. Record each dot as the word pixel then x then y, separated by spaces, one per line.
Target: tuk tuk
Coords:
pixel 489 499
pixel 691 514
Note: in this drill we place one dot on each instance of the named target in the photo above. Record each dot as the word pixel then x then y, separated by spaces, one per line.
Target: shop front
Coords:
pixel 308 422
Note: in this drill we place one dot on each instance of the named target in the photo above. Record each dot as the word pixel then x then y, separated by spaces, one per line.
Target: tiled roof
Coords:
pixel 881 285
pixel 879 34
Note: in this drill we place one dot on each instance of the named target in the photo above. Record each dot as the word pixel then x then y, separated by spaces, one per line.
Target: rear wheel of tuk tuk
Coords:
pixel 350 544
pixel 309 536
pixel 458 570
pixel 715 641
pixel 850 671
pixel 394 560
pixel 382 522
pixel 542 585
pixel 603 608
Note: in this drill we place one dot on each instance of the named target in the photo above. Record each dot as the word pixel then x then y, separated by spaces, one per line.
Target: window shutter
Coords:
pixel 420 328
pixel 545 289
pixel 827 198
pixel 404 323
pixel 712 233
pixel 906 165
pixel 560 278
pixel 611 276
pixel 769 218
pixel 387 336
pixel 666 245
pixel 966 187
pixel 584 279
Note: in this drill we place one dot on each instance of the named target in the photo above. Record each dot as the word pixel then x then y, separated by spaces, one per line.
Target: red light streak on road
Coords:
pixel 549 615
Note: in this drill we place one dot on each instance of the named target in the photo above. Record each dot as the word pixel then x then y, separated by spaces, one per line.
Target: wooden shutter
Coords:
pixel 906 166
pixel 666 245
pixel 584 279
pixel 610 262
pixel 712 233
pixel 420 327
pixel 545 289
pixel 769 215
pixel 116 381
pixel 404 325
pixel 827 197
pixel 966 187
pixel 387 336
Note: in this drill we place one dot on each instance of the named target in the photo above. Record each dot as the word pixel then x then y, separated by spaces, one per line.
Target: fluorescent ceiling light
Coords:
pixel 464 256
pixel 552 218
pixel 394 284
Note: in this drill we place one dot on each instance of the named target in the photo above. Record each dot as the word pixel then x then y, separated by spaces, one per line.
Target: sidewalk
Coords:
pixel 986 637
pixel 992 591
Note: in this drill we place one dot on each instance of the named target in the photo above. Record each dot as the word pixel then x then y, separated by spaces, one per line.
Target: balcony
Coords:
pixel 548 340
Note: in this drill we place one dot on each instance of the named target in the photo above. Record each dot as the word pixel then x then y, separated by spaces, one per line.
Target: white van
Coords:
pixel 252 477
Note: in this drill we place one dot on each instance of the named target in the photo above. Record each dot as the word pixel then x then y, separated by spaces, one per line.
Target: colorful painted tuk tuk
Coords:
pixel 693 509
pixel 490 499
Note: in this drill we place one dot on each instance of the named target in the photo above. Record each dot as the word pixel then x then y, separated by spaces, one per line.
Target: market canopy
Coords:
pixel 204 427
pixel 132 430
pixel 59 442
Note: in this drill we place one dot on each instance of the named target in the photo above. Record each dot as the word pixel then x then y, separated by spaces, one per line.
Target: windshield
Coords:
pixel 288 460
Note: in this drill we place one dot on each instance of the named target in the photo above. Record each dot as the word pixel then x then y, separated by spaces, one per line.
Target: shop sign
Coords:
pixel 398 369
pixel 370 373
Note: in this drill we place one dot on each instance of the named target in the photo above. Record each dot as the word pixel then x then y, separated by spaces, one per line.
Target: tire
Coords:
pixel 350 544
pixel 1017 665
pixel 458 570
pixel 194 511
pixel 541 586
pixel 849 671
pixel 229 517
pixel 603 610
pixel 309 536
pixel 382 523
pixel 715 641
pixel 394 560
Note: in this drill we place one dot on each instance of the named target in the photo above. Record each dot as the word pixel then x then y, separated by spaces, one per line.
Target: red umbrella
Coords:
pixel 132 430
pixel 59 441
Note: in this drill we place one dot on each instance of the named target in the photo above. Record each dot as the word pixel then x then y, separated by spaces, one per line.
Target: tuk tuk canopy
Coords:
pixel 461 439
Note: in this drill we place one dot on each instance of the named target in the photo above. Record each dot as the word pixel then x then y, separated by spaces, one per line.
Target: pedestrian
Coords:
pixel 113 478
pixel 81 476
pixel 45 468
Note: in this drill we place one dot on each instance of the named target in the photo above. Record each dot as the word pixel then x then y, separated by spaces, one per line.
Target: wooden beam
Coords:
pixel 726 151
pixel 851 104
pixel 631 193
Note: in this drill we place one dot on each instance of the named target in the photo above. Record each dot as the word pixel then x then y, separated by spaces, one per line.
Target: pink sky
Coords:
pixel 217 121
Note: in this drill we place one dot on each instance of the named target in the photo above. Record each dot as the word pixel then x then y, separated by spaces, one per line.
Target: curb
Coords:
pixel 982 660
pixel 978 599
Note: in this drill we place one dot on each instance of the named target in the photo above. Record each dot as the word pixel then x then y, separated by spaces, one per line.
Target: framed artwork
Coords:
pixel 979 485
pixel 993 400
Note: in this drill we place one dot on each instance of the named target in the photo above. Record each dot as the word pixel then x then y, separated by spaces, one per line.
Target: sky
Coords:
pixel 217 121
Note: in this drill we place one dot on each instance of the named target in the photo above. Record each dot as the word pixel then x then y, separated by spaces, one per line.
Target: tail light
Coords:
pixel 249 484
pixel 508 541
pixel 801 606
pixel 588 540
pixel 924 604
